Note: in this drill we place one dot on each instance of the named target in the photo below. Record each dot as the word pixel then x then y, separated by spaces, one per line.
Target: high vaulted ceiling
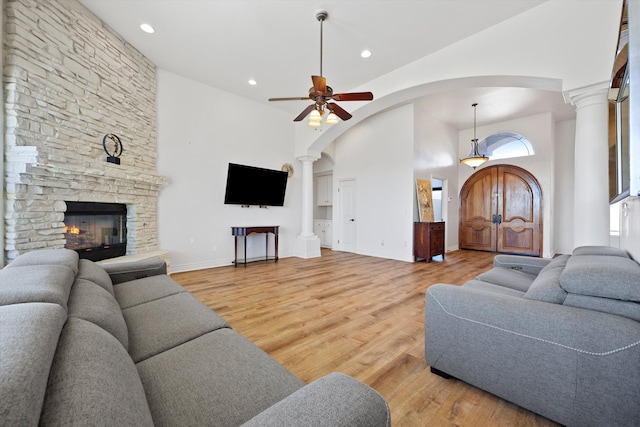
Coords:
pixel 224 43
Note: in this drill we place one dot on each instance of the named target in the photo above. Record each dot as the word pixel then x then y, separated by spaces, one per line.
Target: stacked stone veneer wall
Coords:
pixel 69 80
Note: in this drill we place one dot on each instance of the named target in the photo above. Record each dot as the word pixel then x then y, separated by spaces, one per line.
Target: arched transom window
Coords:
pixel 505 145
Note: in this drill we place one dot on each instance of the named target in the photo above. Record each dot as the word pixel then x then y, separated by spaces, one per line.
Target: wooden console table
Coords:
pixel 245 231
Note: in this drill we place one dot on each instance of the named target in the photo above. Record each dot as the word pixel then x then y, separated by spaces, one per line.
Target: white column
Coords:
pixel 591 173
pixel 308 244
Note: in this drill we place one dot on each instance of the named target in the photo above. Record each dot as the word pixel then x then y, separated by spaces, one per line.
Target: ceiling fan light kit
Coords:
pixel 475 159
pixel 321 94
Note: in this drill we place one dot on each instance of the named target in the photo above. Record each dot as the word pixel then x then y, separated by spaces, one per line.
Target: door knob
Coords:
pixel 352 219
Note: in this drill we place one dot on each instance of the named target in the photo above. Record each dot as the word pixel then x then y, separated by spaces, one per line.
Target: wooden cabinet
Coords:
pixel 324 230
pixel 428 240
pixel 324 190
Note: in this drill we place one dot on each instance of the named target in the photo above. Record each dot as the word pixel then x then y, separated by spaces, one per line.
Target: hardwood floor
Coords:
pixel 359 315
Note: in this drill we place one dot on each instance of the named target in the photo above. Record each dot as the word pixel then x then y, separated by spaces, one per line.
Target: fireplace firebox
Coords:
pixel 96 231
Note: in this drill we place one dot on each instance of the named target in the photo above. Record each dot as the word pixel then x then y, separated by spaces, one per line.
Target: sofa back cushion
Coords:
pixel 65 257
pixel 29 334
pixel 606 276
pixel 91 302
pixel 599 250
pixel 92 272
pixel 546 287
pixel 93 381
pixel 36 283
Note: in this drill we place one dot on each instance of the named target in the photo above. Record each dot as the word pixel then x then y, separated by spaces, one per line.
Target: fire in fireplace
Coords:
pixel 96 231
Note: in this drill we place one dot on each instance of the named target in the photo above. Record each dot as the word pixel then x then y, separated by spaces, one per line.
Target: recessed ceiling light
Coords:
pixel 365 53
pixel 252 82
pixel 147 28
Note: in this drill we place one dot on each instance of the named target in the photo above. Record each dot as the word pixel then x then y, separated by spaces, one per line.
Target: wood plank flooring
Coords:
pixel 359 315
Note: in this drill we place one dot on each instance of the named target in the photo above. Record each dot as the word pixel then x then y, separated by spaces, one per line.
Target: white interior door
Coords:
pixel 346 236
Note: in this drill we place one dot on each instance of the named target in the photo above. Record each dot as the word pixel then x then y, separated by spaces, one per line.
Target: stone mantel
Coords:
pixel 111 172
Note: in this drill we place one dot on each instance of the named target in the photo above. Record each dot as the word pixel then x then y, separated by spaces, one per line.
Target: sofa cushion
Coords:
pixel 490 287
pixel 599 250
pixel 628 309
pixel 36 283
pixel 89 270
pixel 219 378
pixel 159 325
pixel 121 272
pixel 508 277
pixel 602 276
pixel 546 287
pixel 93 381
pixel 336 399
pixel 139 291
pixel 62 257
pixel 526 264
pixel 94 304
pixel 29 337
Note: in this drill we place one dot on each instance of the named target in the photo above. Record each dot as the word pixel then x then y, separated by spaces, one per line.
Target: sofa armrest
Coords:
pixel 333 400
pixel 526 264
pixel 126 271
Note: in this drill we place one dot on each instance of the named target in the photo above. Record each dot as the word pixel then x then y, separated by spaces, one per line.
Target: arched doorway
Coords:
pixel 501 211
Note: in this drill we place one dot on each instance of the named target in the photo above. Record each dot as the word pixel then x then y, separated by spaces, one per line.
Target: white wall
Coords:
pixel 378 154
pixel 436 154
pixel 201 130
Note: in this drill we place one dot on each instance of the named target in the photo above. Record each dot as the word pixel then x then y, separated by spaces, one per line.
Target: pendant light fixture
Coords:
pixel 475 159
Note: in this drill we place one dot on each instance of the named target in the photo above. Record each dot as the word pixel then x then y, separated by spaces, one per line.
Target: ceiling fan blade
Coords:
pixel 289 99
pixel 339 111
pixel 319 84
pixel 305 112
pixel 353 96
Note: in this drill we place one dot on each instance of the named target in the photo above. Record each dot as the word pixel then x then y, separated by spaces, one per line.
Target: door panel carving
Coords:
pixel 500 211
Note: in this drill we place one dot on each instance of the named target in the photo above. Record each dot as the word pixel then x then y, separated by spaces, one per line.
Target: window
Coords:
pixel 505 145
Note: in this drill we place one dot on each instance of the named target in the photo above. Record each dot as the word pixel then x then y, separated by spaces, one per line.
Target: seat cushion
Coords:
pixel 139 291
pixel 628 309
pixel 490 287
pixel 159 325
pixel 507 277
pixel 219 378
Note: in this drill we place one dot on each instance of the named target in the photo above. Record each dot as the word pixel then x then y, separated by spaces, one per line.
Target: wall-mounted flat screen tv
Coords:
pixel 249 185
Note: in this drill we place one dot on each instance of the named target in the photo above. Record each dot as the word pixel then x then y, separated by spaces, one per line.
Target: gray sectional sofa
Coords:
pixel 125 345
pixel 560 337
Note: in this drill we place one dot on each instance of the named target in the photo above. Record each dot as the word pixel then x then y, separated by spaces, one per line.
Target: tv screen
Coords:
pixel 248 185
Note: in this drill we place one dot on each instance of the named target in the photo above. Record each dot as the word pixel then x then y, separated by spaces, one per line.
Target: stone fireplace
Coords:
pixel 68 81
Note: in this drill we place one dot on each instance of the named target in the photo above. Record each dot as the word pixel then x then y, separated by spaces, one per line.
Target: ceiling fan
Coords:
pixel 322 95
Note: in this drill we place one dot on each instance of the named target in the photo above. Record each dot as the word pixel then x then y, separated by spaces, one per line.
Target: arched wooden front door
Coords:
pixel 501 211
